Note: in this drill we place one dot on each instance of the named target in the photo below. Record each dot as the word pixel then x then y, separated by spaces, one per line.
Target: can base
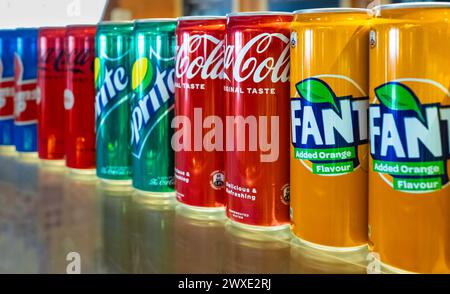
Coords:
pixel 330 248
pixel 201 213
pixel 80 171
pixel 118 183
pixel 7 150
pixel 259 228
pixel 143 193
pixel 28 156
pixel 281 234
pixel 52 162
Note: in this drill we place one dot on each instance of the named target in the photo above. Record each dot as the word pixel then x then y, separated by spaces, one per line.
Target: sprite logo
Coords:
pixel 410 141
pixel 112 85
pixel 327 129
pixel 154 91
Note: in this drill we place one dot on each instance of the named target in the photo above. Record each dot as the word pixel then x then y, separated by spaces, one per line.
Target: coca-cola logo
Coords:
pixel 248 63
pixel 208 65
pixel 79 60
pixel 75 61
pixel 53 58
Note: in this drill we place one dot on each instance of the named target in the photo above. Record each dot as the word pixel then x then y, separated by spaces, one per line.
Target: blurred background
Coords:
pixel 134 9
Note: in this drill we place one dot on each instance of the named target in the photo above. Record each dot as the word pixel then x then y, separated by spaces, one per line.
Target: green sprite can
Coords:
pixel 114 46
pixel 152 106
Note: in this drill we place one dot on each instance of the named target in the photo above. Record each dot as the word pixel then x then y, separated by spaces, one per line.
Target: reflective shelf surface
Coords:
pixel 46 212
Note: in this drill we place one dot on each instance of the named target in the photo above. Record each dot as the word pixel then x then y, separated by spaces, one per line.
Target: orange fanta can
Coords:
pixel 329 135
pixel 409 122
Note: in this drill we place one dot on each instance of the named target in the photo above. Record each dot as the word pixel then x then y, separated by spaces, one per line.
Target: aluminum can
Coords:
pixel 199 167
pixel 50 87
pixel 329 107
pixel 7 49
pixel 26 94
pixel 409 122
pixel 114 46
pixel 257 122
pixel 152 106
pixel 79 98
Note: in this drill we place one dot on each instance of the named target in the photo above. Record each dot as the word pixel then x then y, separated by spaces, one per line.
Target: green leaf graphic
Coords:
pixel 316 91
pixel 398 97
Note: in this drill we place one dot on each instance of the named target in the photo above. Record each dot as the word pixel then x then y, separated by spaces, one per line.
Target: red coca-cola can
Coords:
pixel 79 98
pixel 257 118
pixel 51 84
pixel 199 108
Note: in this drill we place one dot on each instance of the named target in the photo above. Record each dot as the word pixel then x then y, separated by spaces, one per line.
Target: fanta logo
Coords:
pixel 209 66
pixel 114 84
pixel 327 129
pixel 249 64
pixel 160 89
pixel 409 141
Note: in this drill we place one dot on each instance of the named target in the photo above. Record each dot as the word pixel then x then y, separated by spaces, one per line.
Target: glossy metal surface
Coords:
pixel 45 213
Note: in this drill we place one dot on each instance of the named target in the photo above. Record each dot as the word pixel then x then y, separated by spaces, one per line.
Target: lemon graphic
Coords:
pixel 142 73
pixel 96 69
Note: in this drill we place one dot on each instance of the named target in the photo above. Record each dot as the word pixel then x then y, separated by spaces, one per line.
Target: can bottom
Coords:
pixel 154 194
pixel 259 228
pixel 7 150
pixel 81 171
pixel 203 213
pixel 52 162
pixel 116 182
pixel 394 270
pixel 28 156
pixel 330 248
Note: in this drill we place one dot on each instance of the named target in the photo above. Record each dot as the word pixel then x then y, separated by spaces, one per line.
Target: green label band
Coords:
pixel 430 168
pixel 325 154
pixel 332 168
pixel 423 184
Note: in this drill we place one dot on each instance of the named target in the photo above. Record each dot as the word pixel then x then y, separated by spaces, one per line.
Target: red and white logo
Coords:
pixel 26 95
pixel 208 64
pixel 249 63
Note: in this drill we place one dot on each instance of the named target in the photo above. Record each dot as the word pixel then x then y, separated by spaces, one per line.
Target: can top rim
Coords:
pixel 201 17
pixel 331 10
pixel 144 20
pixel 52 28
pixel 80 25
pixel 411 5
pixel 258 13
pixel 115 22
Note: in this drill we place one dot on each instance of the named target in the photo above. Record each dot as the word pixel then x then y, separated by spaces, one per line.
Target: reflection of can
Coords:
pixel 257 126
pixel 152 105
pixel 199 94
pixel 51 84
pixel 252 252
pixel 114 44
pixel 117 221
pixel 25 97
pixel 7 49
pixel 329 126
pixel 153 228
pixel 79 96
pixel 409 121
pixel 199 242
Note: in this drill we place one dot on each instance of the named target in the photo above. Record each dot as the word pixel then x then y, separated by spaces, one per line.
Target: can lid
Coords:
pixel 202 17
pixel 144 20
pixel 257 13
pixel 332 10
pixel 80 25
pixel 412 5
pixel 116 22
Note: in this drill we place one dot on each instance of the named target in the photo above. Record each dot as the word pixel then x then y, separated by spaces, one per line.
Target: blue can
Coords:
pixel 26 92
pixel 7 49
